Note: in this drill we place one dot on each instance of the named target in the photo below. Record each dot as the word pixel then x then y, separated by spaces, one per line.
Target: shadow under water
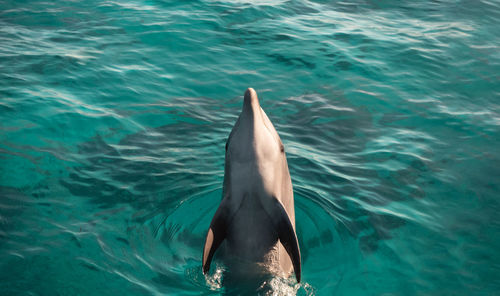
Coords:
pixel 160 171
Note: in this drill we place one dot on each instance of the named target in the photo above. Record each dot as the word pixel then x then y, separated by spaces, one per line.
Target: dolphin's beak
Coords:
pixel 251 102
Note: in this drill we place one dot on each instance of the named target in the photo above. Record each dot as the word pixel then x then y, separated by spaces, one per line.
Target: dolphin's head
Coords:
pixel 254 143
pixel 253 137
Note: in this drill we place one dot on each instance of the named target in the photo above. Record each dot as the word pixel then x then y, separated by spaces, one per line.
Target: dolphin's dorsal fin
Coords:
pixel 287 236
pixel 216 234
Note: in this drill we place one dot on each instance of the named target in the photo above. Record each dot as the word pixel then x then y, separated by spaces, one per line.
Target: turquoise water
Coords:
pixel 114 116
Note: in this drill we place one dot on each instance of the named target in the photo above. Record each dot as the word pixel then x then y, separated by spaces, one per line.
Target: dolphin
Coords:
pixel 256 217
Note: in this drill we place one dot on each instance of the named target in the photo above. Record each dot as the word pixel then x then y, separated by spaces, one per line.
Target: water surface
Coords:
pixel 114 116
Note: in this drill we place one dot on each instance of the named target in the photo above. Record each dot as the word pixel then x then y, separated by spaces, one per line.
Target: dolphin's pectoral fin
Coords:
pixel 287 236
pixel 216 234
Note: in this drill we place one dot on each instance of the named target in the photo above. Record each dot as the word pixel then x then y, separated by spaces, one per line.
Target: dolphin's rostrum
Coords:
pixel 256 217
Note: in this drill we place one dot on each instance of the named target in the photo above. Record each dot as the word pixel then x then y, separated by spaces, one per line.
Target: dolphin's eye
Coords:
pixel 226 145
pixel 282 148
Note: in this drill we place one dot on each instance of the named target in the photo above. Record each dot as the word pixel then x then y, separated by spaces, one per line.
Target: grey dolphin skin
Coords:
pixel 256 217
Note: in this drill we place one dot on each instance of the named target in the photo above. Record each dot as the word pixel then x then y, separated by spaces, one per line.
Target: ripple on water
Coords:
pixel 115 115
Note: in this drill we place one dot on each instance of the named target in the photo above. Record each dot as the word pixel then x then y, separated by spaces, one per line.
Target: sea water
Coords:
pixel 114 117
